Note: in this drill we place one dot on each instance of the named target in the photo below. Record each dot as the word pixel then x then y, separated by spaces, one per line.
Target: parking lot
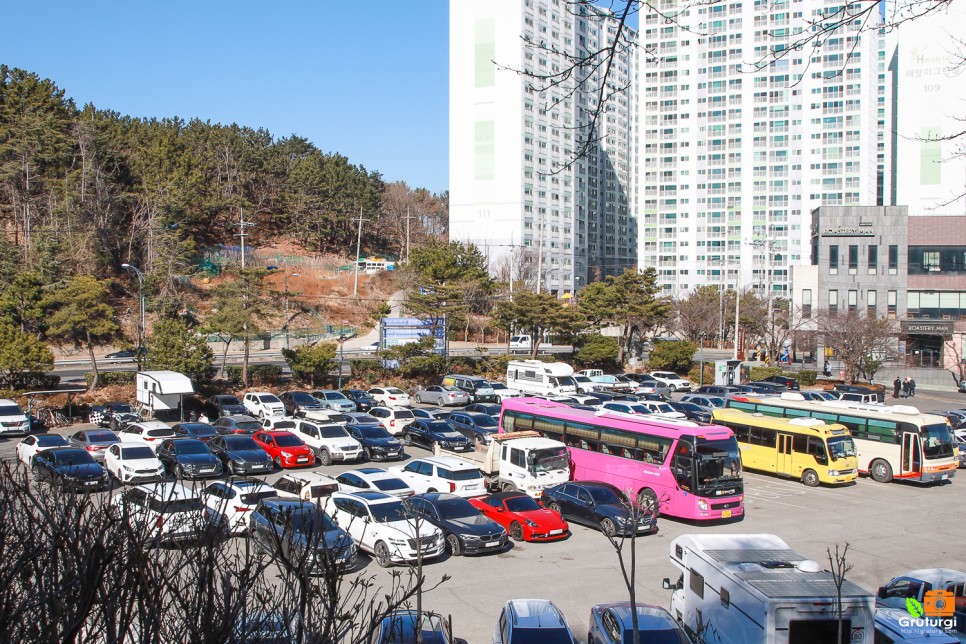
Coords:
pixel 891 528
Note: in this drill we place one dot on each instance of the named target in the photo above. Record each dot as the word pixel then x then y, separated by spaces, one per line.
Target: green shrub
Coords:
pixel 675 355
pixel 111 378
pixel 598 351
pixel 695 374
pixel 806 377
pixel 258 374
pixel 367 370
pixel 760 373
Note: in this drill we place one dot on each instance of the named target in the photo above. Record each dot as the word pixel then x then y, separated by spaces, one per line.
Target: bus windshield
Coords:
pixel 937 441
pixel 546 460
pixel 718 462
pixel 841 447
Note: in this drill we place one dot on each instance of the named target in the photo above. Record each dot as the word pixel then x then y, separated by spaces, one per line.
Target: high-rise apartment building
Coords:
pixel 743 134
pixel 516 187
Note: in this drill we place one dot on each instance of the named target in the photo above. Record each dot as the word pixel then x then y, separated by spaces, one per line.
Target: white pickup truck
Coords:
pixel 523 461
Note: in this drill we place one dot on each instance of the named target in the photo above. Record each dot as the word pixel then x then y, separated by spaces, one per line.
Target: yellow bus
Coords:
pixel 803 448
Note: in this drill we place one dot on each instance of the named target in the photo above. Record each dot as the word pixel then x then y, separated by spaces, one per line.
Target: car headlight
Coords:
pixel 469 537
pixel 286 454
pixel 833 472
pixel 622 520
pixel 128 468
pixel 532 524
pixel 702 505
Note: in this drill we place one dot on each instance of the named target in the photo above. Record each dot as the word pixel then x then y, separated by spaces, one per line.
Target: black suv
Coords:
pixel 788 383
pixel 362 399
pixel 225 405
pixel 861 389
pixel 298 402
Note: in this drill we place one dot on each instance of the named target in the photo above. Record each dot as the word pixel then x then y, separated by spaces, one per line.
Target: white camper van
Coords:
pixel 536 377
pixel 754 588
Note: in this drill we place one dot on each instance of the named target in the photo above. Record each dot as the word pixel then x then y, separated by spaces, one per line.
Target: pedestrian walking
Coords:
pixel 192 416
pixel 897 385
pixel 912 387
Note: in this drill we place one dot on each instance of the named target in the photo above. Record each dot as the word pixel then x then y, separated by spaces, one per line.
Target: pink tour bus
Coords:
pixel 693 469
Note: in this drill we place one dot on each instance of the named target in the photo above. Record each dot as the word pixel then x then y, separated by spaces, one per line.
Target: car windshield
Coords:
pixel 542 636
pixel 460 475
pixel 302 397
pixel 268 398
pixel 664 408
pixel 388 485
pixel 333 431
pixel 438 426
pixel 121 409
pixel 686 406
pixel 228 400
pixel 605 496
pixel 254 497
pixel 841 447
pixel 241 443
pixel 484 421
pixel 200 429
pixel 562 381
pixel 937 441
pixel 288 440
pixel 73 458
pixel 173 506
pixel 716 402
pixel 190 447
pixel 548 459
pixel 248 425
pixel 521 504
pixel 101 437
pixel 666 636
pixel 395 392
pixel 639 409
pixel 335 395
pixel 457 508
pixel 137 452
pixel 283 424
pixel 451 388
pixel 389 512
pixel 373 431
pixel 498 385
pixel 10 410
pixel 311 520
pixel 51 440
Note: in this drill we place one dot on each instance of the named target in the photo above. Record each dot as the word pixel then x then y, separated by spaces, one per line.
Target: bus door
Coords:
pixel 784 455
pixel 911 454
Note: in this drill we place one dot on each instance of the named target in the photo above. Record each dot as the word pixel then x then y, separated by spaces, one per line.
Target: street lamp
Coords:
pixel 286 305
pixel 144 329
pixel 345 323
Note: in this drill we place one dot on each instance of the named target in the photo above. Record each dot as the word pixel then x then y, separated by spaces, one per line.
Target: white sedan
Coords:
pixel 373 479
pixel 29 446
pixel 391 396
pixel 134 463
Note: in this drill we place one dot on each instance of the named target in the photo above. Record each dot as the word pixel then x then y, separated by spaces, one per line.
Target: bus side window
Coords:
pixel 768 437
pixel 799 444
pixel 817 449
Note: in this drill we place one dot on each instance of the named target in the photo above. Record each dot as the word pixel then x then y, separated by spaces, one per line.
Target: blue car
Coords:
pixel 598 505
pixel 612 624
pixel 401 627
pixel 69 467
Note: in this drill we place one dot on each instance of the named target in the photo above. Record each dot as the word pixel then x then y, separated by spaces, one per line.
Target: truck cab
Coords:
pixel 523 461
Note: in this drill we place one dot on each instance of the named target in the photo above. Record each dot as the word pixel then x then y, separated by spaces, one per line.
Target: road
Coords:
pixel 890 528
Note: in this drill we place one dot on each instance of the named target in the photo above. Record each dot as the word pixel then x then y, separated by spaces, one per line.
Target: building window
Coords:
pixel 833 260
pixel 893 260
pixel 873 259
pixel 891 303
pixel 833 302
pixel 853 300
pixel 806 303
pixel 871 298
pixel 853 259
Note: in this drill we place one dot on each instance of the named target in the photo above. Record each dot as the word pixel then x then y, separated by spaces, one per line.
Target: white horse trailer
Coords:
pixel 753 588
pixel 159 394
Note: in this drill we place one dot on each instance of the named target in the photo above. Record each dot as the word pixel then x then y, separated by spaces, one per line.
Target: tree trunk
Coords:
pixel 248 344
pixel 224 356
pixel 90 350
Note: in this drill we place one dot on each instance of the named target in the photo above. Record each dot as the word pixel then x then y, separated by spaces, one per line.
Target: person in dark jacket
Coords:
pixel 897 385
pixel 912 387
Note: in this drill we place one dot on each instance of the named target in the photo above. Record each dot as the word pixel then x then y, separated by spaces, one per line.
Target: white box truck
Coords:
pixel 523 461
pixel 536 377
pixel 753 588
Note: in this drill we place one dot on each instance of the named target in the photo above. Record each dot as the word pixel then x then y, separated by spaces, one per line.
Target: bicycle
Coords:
pixel 52 418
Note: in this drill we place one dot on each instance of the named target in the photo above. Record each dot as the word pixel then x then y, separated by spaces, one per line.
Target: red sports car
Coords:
pixel 285 448
pixel 522 517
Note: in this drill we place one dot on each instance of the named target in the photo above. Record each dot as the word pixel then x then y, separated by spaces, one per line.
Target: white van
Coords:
pixel 521 343
pixel 13 422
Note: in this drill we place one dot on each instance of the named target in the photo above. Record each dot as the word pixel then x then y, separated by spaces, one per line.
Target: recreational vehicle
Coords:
pixel 536 377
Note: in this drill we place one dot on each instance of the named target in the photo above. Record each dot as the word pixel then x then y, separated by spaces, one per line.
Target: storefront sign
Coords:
pixel 926 328
pixel 848 231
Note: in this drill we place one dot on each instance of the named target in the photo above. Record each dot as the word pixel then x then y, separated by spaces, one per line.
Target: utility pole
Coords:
pixel 355 285
pixel 287 275
pixel 241 234
pixel 408 217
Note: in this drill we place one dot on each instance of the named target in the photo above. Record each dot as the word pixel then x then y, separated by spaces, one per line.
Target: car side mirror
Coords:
pixel 500 510
pixel 666 584
pixel 881 593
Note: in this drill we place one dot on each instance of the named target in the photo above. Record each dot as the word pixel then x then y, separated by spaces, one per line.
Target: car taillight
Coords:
pixel 392 423
pixel 159 523
pixel 392 397
pixel 452 486
pixel 241 508
pixel 92 448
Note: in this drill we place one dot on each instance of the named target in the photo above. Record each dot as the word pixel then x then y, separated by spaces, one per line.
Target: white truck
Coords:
pixel 536 377
pixel 523 461
pixel 754 588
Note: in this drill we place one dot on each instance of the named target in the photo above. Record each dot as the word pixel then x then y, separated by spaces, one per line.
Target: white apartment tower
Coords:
pixel 515 187
pixel 743 134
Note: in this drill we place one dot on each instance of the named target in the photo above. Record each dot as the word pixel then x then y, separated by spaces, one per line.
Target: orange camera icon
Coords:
pixel 938 603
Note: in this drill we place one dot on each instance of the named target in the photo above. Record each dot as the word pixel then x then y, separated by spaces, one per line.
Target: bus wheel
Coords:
pixel 880 471
pixel 810 478
pixel 647 501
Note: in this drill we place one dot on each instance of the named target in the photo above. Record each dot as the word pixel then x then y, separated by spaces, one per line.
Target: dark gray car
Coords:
pixel 466 530
pixel 302 536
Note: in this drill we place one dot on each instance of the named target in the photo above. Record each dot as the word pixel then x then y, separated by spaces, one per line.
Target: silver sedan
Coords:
pixel 441 395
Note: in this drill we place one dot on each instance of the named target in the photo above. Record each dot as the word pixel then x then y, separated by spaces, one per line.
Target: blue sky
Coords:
pixel 366 80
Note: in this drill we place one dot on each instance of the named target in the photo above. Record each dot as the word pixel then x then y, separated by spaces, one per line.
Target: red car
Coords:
pixel 285 448
pixel 522 517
